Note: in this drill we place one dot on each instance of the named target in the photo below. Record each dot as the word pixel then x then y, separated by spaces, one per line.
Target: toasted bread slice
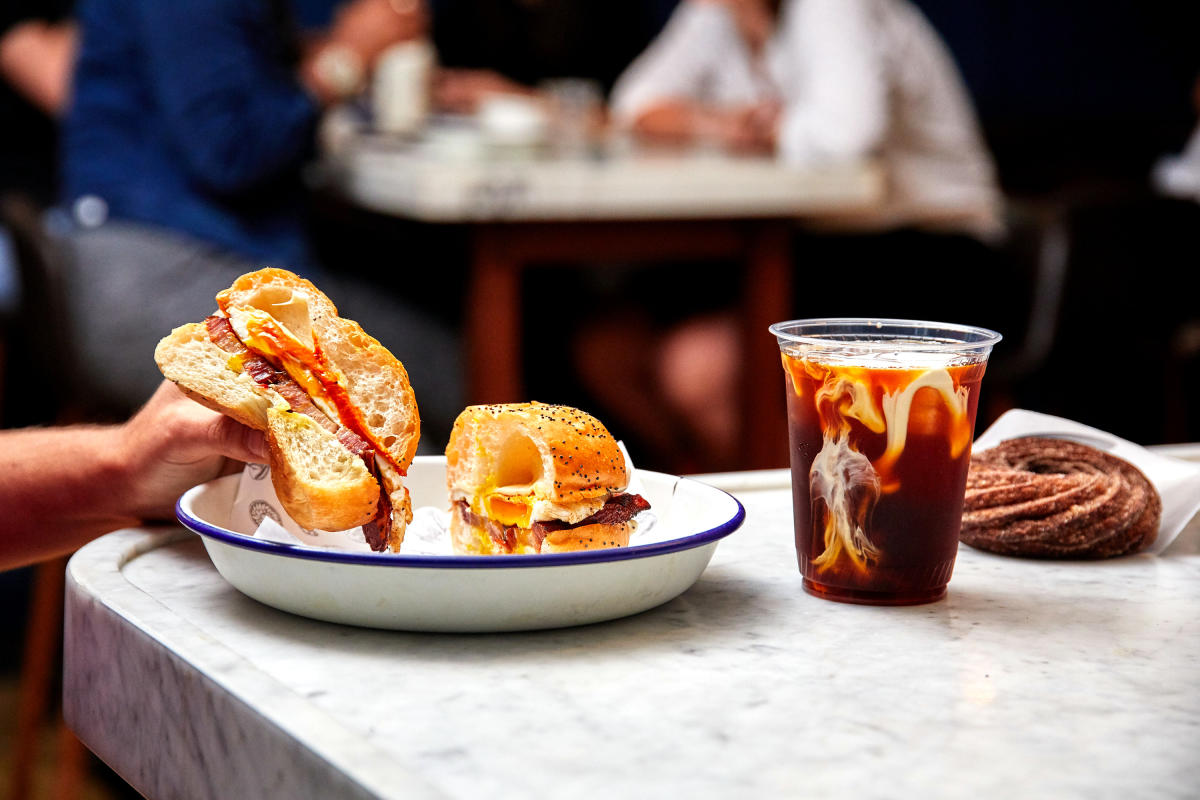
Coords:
pixel 319 482
pixel 321 347
pixel 207 374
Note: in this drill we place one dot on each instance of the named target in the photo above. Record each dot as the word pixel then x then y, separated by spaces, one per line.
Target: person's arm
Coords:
pixel 61 487
pixel 739 129
pixel 36 58
pixel 668 79
pixel 462 91
pixel 360 32
pixel 836 106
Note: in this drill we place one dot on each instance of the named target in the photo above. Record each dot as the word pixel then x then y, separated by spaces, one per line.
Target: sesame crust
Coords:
pixel 566 454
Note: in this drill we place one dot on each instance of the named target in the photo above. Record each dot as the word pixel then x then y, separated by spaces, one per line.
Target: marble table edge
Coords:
pixel 94 573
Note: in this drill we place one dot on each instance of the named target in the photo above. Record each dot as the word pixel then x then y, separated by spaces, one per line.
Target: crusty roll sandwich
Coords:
pixel 536 478
pixel 339 414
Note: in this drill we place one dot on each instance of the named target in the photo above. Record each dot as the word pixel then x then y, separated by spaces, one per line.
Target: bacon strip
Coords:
pixel 301 403
pixel 617 510
pixel 220 332
pixel 262 372
pixel 376 531
pixel 357 445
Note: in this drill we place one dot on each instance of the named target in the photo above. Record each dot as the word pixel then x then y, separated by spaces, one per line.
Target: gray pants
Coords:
pixel 129 285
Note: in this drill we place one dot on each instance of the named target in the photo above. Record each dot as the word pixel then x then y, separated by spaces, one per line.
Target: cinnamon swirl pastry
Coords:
pixel 1050 498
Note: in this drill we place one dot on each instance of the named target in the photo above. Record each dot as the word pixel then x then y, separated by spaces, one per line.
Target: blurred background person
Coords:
pixel 183 151
pixel 487 47
pixel 37 42
pixel 37 48
pixel 818 82
pixel 811 82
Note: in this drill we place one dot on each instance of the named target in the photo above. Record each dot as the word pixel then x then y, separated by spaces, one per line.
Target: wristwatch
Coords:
pixel 341 68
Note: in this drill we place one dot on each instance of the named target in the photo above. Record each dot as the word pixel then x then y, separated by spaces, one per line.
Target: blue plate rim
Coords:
pixel 392 560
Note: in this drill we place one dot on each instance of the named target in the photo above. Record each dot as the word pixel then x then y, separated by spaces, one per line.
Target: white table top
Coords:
pixel 380 175
pixel 1031 679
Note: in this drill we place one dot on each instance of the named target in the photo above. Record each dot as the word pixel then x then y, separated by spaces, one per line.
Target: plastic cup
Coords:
pixel 400 91
pixel 881 415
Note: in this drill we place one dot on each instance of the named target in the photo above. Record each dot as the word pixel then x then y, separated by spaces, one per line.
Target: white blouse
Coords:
pixel 857 78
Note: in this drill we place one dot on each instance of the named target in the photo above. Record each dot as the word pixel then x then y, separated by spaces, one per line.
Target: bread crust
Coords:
pixel 362 385
pixel 320 483
pixel 201 370
pixel 565 456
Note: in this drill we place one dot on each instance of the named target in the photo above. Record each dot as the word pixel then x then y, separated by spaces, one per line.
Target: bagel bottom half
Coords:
pixel 478 536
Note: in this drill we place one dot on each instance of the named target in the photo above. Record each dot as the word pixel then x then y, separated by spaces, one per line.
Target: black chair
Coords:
pixel 39 383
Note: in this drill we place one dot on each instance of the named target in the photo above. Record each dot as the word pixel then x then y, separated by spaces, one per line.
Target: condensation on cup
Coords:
pixel 400 90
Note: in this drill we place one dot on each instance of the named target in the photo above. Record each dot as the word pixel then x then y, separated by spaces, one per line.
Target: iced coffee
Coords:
pixel 881 415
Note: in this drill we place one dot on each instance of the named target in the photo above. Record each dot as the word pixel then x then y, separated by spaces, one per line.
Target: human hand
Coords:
pixel 372 26
pixel 174 443
pixel 36 58
pixel 461 91
pixel 745 129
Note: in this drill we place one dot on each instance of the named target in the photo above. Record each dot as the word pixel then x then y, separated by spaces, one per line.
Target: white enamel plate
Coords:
pixel 471 593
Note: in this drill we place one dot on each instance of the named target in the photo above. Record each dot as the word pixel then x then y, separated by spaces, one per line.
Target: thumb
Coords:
pixel 237 441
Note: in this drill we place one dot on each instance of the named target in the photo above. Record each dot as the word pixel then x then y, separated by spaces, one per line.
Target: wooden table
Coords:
pixel 618 210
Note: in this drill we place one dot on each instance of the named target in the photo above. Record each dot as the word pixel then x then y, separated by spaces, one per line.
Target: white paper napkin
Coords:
pixel 1177 481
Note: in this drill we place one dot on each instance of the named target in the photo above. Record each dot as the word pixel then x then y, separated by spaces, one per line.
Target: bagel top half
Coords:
pixel 519 463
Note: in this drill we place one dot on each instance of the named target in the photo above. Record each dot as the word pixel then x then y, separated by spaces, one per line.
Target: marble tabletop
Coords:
pixel 1031 679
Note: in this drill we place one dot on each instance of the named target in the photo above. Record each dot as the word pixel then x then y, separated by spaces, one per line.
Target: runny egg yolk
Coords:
pixel 302 360
pixel 508 510
pixel 264 335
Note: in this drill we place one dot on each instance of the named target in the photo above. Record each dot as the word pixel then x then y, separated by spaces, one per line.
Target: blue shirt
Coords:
pixel 187 115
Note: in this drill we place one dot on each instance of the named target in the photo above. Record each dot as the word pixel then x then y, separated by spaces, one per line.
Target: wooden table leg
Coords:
pixel 767 299
pixel 493 321
pixel 42 641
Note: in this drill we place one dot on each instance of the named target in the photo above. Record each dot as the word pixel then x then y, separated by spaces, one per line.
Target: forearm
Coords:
pixel 671 122
pixel 741 129
pixel 36 58
pixel 60 488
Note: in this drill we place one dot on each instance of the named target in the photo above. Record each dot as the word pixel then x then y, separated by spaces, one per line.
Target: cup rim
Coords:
pixel 942 336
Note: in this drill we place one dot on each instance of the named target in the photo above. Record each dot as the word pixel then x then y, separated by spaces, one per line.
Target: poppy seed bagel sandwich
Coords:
pixel 536 478
pixel 340 416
